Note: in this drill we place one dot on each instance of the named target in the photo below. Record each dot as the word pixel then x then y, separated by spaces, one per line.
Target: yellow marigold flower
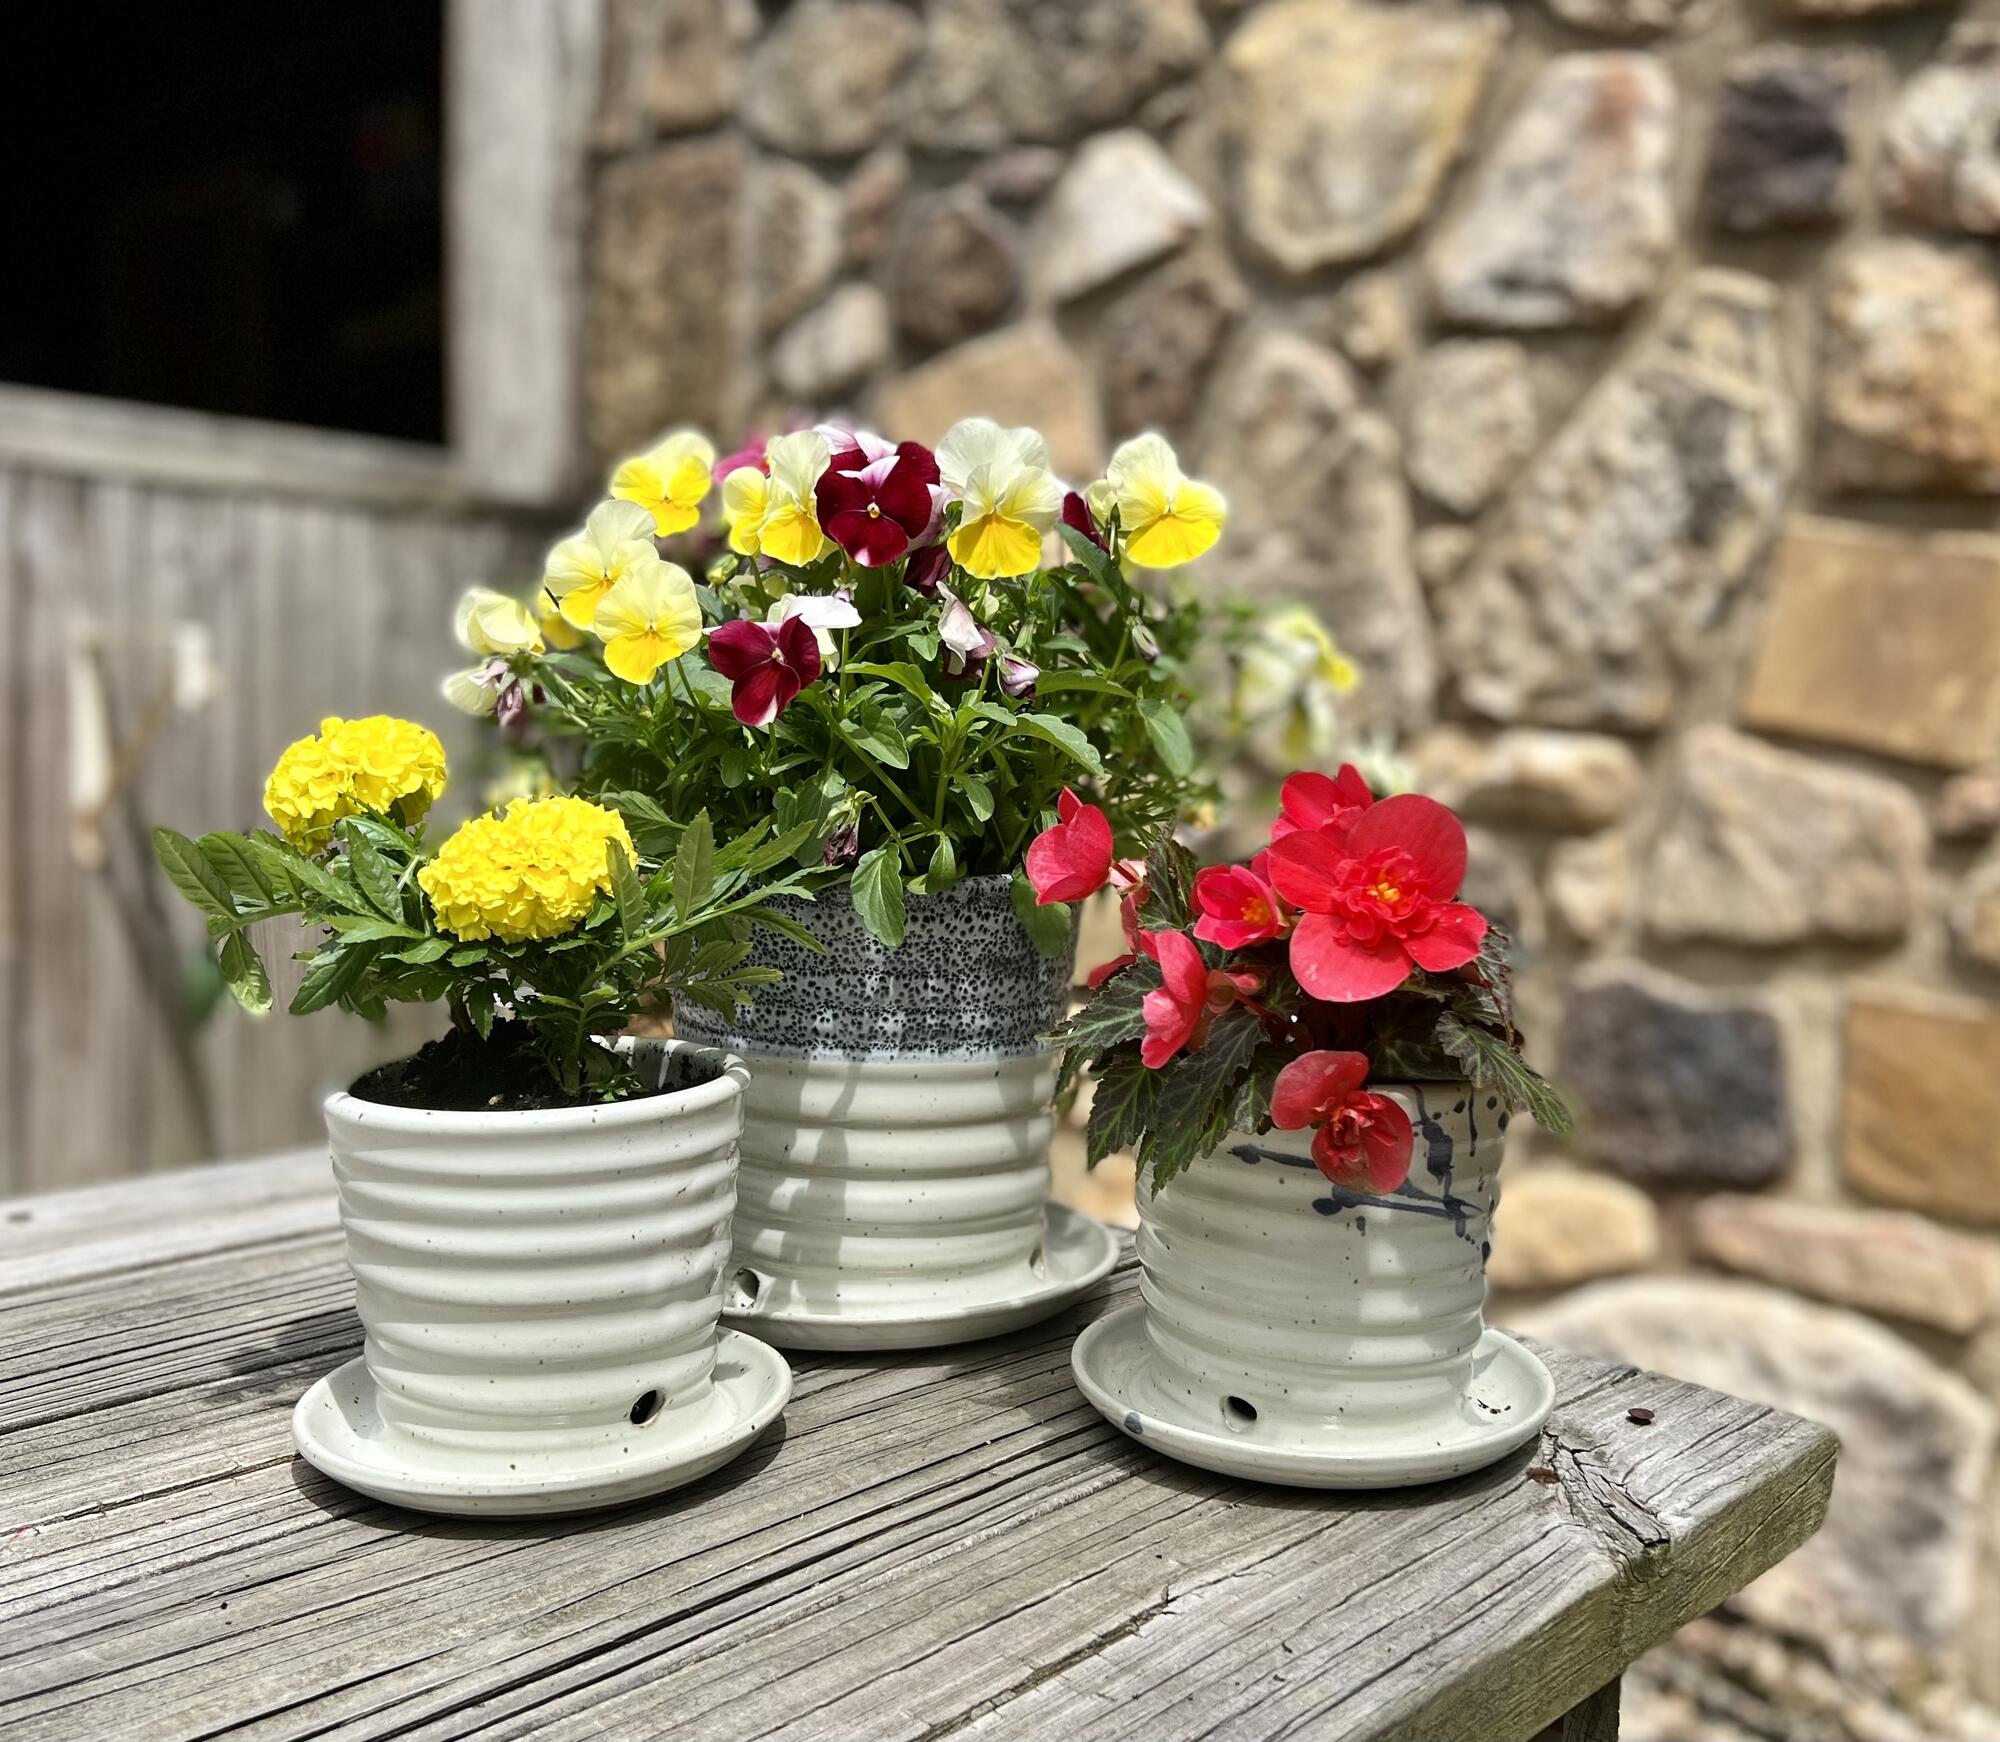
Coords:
pixel 671 482
pixel 617 538
pixel 650 617
pixel 381 764
pixel 1009 494
pixel 307 793
pixel 1168 519
pixel 395 767
pixel 534 871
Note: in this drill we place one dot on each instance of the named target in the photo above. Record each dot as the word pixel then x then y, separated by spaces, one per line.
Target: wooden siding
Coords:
pixel 310 606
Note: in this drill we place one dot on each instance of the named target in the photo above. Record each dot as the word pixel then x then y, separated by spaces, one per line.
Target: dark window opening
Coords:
pixel 232 207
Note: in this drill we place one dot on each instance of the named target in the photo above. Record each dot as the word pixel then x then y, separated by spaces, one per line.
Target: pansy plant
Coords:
pixel 909 654
pixel 1270 994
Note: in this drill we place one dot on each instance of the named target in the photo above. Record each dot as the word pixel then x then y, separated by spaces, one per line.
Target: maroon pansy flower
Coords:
pixel 874 500
pixel 767 665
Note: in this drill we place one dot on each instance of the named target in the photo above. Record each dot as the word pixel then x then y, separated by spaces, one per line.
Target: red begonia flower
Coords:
pixel 1238 908
pixel 1319 801
pixel 1379 901
pixel 766 665
pixel 873 504
pixel 1073 859
pixel 1363 1139
pixel 1129 877
pixel 1190 998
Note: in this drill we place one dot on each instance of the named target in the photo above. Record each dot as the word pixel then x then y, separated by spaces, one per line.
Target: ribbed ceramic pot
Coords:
pixel 1296 1331
pixel 536 1286
pixel 896 1141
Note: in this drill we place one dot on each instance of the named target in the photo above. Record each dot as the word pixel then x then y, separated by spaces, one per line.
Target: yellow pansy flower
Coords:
pixel 535 871
pixel 617 538
pixel 1010 497
pixel 1168 518
pixel 493 624
pixel 557 630
pixel 746 495
pixel 671 482
pixel 650 617
pixel 775 515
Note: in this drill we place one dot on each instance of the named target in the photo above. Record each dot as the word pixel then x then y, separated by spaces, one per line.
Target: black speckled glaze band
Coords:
pixel 966 982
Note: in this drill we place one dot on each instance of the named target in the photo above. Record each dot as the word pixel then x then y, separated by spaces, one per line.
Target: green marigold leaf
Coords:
pixel 243 973
pixel 191 873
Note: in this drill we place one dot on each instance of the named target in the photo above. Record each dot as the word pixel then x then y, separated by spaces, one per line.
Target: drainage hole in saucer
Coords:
pixel 744 1289
pixel 646 1408
pixel 1038 1265
pixel 1239 1413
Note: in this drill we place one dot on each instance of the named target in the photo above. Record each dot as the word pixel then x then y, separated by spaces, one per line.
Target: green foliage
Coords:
pixel 923 777
pixel 680 932
pixel 1435 1027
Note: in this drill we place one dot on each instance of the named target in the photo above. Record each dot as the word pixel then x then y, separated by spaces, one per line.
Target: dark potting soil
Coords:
pixel 461 1073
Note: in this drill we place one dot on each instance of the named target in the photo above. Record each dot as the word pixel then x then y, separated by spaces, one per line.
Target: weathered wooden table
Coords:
pixel 929 1545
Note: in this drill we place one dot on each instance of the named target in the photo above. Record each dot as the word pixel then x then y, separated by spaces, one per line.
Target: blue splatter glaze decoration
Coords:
pixel 1408 1197
pixel 1133 1425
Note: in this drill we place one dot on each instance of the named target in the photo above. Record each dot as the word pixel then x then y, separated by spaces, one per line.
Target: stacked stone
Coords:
pixel 1621 379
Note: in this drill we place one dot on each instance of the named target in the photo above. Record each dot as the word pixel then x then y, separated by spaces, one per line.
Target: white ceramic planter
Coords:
pixel 540 1294
pixel 1295 1332
pixel 894 1190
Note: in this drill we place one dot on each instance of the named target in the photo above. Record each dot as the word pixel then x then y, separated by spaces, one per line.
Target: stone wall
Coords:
pixel 1622 379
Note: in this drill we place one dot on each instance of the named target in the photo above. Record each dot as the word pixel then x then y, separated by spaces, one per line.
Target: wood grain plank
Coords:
pixel 940 1544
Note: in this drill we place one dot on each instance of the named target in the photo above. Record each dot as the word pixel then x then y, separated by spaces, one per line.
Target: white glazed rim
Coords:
pixel 729 1083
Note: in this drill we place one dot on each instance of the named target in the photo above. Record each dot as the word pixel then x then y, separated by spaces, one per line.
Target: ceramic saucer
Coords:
pixel 338 1430
pixel 1509 1398
pixel 1077 1251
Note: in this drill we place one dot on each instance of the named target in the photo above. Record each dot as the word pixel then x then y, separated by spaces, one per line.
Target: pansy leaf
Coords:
pixel 1169 734
pixel 243 973
pixel 878 894
pixel 867 726
pixel 1088 552
pixel 899 672
pixel 1050 730
pixel 978 796
pixel 1080 682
